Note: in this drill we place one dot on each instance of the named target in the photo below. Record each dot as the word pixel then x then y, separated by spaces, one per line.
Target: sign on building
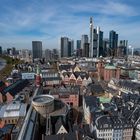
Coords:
pixel 29 76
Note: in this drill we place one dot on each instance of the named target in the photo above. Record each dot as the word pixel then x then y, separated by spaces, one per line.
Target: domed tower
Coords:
pixel 38 77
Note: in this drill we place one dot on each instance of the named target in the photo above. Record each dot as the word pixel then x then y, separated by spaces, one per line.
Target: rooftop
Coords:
pixel 43 99
pixel 110 66
pixel 13 109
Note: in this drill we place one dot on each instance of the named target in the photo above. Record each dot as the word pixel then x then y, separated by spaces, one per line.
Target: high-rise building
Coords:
pixel 48 54
pixel 78 44
pixel 78 48
pixel 55 54
pixel 99 42
pixel 64 46
pixel 9 50
pixel 37 49
pixel 95 42
pixel 67 47
pixel 13 51
pixel 113 42
pixel 122 48
pixel 91 37
pixel 0 50
pixel 106 50
pixel 86 50
pixel 70 48
pixel 84 40
pixel 24 54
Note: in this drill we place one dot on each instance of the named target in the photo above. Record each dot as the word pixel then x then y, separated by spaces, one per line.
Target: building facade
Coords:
pixel 37 49
pixel 0 50
pixel 113 42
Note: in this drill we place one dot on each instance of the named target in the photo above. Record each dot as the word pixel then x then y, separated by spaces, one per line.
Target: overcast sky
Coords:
pixel 22 21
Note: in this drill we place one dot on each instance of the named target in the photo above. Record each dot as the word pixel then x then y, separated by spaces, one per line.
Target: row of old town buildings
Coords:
pixel 100 100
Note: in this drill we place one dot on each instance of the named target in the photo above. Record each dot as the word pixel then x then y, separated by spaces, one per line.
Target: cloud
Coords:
pixel 106 8
pixel 48 20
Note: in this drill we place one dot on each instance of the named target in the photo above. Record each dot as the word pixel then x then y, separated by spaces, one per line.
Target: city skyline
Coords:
pixel 48 20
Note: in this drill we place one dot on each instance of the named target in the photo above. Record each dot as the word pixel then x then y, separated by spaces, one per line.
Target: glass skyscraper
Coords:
pixel 113 42
pixel 37 49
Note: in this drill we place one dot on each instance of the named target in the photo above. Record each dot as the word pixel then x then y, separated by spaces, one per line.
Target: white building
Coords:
pixel 12 112
pixel 113 128
pixel 137 132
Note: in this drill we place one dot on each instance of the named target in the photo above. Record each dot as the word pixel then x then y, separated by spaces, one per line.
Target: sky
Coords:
pixel 22 21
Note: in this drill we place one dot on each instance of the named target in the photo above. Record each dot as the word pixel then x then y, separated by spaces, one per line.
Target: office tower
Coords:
pixel 48 54
pixel 78 48
pixel 37 49
pixel 91 37
pixel 122 48
pixel 9 51
pixel 24 55
pixel 106 47
pixel 55 54
pixel 106 50
pixel 84 40
pixel 0 50
pixel 86 50
pixel 70 48
pixel 95 42
pixel 13 51
pixel 99 42
pixel 64 46
pixel 113 42
pixel 78 44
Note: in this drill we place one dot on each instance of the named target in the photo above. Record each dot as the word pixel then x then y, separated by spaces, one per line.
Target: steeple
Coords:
pixel 38 77
pixel 37 70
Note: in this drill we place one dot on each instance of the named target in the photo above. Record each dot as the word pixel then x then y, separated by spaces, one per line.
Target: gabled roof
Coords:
pixel 65 67
pixel 91 101
pixel 81 74
pixel 58 125
pixel 96 88
pixel 67 73
pixel 129 84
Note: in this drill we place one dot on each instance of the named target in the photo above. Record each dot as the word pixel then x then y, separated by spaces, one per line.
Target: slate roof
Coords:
pixel 92 102
pixel 65 67
pixel 109 122
pixel 52 78
pixel 68 136
pixel 13 89
pixel 66 90
pixel 58 124
pixel 129 84
pixel 67 73
pixel 7 129
pixel 95 88
pixel 82 74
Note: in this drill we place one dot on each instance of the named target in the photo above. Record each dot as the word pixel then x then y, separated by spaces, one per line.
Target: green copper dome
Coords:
pixel 110 66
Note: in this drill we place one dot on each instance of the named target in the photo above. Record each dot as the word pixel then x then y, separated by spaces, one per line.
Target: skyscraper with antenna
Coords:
pixel 91 38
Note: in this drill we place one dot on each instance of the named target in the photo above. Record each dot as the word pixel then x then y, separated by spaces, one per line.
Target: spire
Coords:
pixel 90 20
pixel 91 38
pixel 38 70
